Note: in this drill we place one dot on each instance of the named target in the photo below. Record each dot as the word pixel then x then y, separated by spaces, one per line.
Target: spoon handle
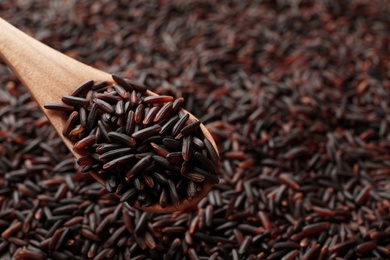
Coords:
pixel 45 72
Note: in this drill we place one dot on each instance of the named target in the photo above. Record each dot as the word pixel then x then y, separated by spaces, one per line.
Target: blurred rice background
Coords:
pixel 296 94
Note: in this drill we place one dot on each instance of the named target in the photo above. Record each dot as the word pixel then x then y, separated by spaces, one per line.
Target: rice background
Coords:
pixel 295 93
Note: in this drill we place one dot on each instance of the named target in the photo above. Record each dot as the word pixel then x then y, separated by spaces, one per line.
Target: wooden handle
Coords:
pixel 47 73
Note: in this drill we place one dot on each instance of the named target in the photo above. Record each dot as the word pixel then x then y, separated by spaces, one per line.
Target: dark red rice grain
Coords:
pixel 82 88
pixel 74 101
pixel 59 107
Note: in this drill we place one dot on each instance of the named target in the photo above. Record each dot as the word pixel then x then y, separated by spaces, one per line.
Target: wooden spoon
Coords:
pixel 49 75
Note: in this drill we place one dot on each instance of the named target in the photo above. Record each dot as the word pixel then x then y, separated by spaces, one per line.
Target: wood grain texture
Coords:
pixel 49 75
pixel 45 72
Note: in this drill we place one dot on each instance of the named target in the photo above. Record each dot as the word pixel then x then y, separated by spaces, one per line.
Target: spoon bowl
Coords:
pixel 49 75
